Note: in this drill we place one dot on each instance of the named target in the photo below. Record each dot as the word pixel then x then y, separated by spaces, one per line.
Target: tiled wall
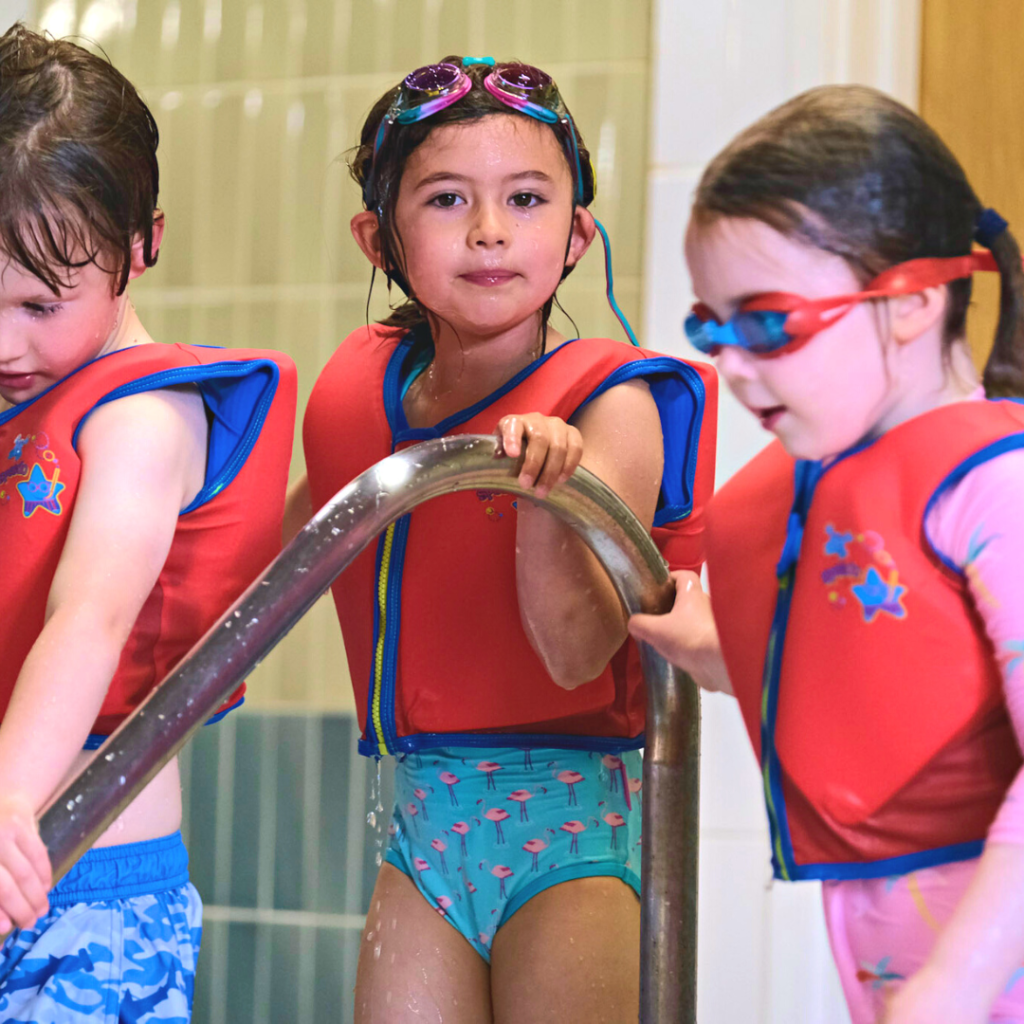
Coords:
pixel 281 850
pixel 257 102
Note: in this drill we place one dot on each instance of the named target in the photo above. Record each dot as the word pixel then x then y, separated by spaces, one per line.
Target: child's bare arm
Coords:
pixel 568 605
pixel 143 460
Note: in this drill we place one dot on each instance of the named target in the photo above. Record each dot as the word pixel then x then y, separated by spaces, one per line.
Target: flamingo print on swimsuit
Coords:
pixel 570 778
pixel 421 795
pixel 501 872
pixel 440 846
pixel 616 821
pixel 536 847
pixel 521 796
pixel 451 781
pixel 500 854
pixel 497 815
pixel 574 828
pixel 461 828
pixel 614 766
pixel 490 767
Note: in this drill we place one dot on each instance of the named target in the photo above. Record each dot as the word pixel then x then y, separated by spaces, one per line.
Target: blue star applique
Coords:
pixel 39 492
pixel 875 595
pixel 836 544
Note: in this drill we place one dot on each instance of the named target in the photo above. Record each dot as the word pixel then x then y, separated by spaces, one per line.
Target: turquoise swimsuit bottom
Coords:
pixel 482 830
pixel 119 943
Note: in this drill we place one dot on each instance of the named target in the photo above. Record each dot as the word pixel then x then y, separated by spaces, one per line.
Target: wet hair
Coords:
pixel 400 144
pixel 78 169
pixel 853 172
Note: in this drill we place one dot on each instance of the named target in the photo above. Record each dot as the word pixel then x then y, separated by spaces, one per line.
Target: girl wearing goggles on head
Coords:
pixel 487 648
pixel 865 567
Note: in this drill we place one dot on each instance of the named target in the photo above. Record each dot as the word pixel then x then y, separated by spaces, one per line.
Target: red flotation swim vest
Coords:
pixel 862 670
pixel 430 620
pixel 228 534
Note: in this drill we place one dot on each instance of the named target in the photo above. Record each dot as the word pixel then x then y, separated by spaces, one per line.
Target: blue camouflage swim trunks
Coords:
pixel 118 946
pixel 481 831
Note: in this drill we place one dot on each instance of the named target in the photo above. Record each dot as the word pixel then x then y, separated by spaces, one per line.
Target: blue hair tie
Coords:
pixel 989 227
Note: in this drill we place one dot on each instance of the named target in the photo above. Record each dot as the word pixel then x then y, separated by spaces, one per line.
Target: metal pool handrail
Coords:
pixel 293 582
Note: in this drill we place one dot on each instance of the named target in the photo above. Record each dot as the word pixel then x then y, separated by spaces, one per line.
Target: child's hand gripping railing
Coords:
pixel 306 568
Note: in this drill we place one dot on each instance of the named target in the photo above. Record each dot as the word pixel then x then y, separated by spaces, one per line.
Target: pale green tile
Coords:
pixel 629 32
pixel 230 63
pixel 177 325
pixel 182 59
pixel 178 171
pixel 141 47
pixel 272 57
pixel 318 57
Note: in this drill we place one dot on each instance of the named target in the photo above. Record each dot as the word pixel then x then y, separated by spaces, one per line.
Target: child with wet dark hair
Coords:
pixel 487 646
pixel 141 490
pixel 866 606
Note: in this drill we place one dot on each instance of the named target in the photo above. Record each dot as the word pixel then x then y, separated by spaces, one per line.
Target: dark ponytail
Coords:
pixel 1004 370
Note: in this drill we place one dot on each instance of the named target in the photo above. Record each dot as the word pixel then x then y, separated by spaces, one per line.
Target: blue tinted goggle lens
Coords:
pixel 759 331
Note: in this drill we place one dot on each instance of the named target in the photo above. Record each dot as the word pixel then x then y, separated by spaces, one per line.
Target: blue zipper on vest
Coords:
pixel 806 477
pixel 391 562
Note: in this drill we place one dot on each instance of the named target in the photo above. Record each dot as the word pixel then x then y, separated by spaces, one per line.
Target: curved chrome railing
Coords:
pixel 293 582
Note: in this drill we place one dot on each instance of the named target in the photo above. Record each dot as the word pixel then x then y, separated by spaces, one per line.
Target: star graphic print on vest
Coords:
pixel 40 492
pixel 847 579
pixel 33 475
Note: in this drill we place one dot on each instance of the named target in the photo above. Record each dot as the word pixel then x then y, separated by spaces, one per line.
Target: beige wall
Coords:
pixel 255 103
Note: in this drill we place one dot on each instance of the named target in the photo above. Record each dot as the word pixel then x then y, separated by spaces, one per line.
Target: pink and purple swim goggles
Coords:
pixel 522 87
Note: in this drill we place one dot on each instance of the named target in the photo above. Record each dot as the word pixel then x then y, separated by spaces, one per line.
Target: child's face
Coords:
pixel 485 214
pixel 823 397
pixel 43 336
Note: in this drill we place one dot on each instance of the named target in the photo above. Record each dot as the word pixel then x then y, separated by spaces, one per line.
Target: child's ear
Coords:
pixel 366 231
pixel 138 267
pixel 583 231
pixel 912 315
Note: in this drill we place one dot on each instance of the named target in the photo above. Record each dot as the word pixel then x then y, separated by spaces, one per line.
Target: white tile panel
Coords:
pixel 732 905
pixel 730 793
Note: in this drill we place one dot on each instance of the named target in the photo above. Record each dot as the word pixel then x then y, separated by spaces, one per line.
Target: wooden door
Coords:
pixel 972 93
